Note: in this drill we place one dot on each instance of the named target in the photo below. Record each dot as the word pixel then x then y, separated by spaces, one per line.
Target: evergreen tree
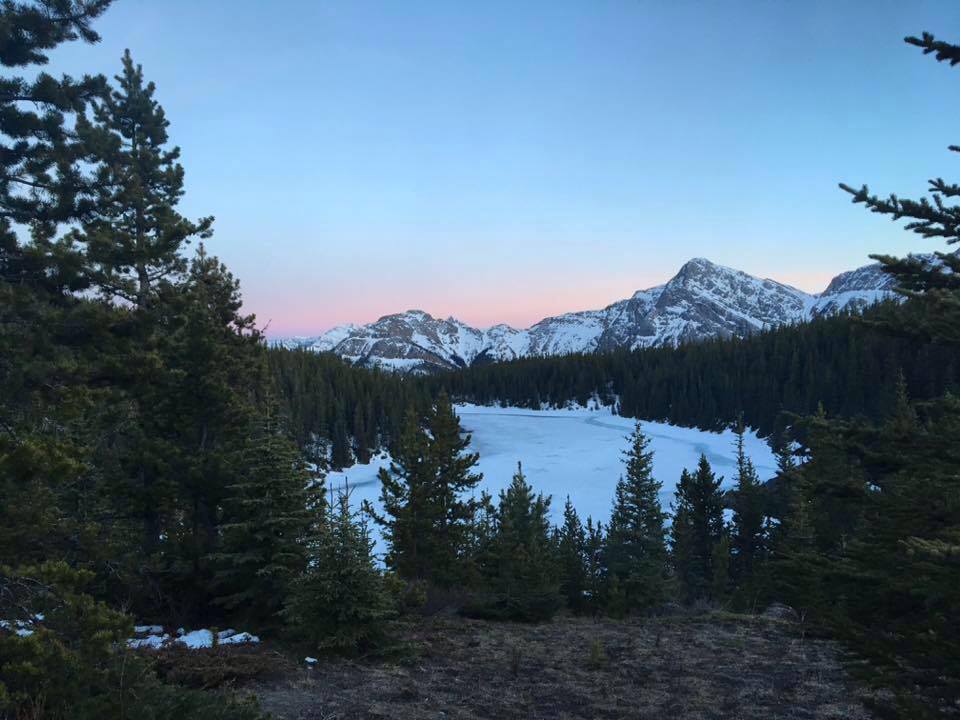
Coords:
pixel 697 530
pixel 749 540
pixel 42 184
pixel 596 570
pixel 427 516
pixel 340 454
pixel 361 439
pixel 520 567
pixel 270 517
pixel 453 478
pixel 720 569
pixel 403 495
pixel 340 604
pixel 135 236
pixel 42 187
pixel 879 500
pixel 636 552
pixel 572 559
pixel 198 414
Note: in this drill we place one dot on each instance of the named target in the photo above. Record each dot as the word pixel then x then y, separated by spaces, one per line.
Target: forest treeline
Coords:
pixel 159 464
pixel 845 364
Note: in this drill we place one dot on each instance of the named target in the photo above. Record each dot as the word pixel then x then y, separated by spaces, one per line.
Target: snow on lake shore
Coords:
pixel 575 452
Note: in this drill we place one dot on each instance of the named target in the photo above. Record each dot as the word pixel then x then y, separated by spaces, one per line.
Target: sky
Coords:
pixel 501 161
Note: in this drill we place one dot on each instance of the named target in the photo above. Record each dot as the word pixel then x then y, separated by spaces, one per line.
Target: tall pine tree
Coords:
pixel 696 531
pixel 271 515
pixel 427 514
pixel 636 551
pixel 571 540
pixel 520 564
pixel 749 533
pixel 135 236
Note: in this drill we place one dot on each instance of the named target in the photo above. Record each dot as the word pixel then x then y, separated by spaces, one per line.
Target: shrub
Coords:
pixel 64 655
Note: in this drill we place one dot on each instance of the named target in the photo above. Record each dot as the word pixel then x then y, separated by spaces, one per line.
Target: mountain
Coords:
pixel 703 300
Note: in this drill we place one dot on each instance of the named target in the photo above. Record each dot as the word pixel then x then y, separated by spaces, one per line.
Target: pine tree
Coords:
pixel 594 550
pixel 720 569
pixel 197 414
pixel 636 552
pixel 427 515
pixel 340 604
pixel 135 237
pixel 340 453
pixel 403 495
pixel 696 531
pixel 270 517
pixel 361 440
pixel 43 187
pixel 748 543
pixel 572 560
pixel 43 184
pixel 520 569
pixel 881 499
pixel 453 479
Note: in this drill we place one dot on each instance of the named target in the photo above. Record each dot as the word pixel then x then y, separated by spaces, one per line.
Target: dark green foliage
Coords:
pixel 696 531
pixel 595 567
pixel 43 184
pixel 872 540
pixel 572 561
pixel 123 426
pixel 519 564
pixel 636 551
pixel 341 604
pixel 189 418
pixel 134 238
pixel 749 533
pixel 847 366
pixel 869 548
pixel 75 663
pixel 350 409
pixel 427 518
pixel 271 514
pixel 720 569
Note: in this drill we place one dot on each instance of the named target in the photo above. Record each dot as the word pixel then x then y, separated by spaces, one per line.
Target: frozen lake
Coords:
pixel 574 452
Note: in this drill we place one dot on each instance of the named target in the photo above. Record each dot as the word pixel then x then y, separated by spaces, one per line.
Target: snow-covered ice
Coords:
pixel 575 452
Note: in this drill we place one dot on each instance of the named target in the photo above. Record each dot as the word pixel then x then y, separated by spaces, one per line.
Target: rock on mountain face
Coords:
pixel 703 300
pixel 856 289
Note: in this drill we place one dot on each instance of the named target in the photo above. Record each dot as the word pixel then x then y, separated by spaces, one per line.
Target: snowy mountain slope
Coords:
pixel 854 290
pixel 703 300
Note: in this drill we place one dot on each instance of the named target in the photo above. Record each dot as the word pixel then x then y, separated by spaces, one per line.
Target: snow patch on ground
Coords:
pixel 155 638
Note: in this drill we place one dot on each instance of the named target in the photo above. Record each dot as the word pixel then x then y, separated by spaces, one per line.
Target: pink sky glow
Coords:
pixel 292 311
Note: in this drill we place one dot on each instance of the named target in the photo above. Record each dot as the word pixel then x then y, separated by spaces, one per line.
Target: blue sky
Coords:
pixel 501 161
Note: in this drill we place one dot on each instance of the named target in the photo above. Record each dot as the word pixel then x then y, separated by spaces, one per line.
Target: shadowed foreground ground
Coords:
pixel 707 666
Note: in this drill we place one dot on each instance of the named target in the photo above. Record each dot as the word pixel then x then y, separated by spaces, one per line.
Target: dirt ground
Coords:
pixel 707 666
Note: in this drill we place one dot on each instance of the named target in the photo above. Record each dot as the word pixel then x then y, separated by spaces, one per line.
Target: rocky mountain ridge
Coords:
pixel 703 300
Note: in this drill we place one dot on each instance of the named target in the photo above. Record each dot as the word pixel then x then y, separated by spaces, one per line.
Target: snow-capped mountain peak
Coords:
pixel 703 300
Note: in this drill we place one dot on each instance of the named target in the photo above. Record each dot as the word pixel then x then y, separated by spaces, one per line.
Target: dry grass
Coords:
pixel 705 666
pixel 223 666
